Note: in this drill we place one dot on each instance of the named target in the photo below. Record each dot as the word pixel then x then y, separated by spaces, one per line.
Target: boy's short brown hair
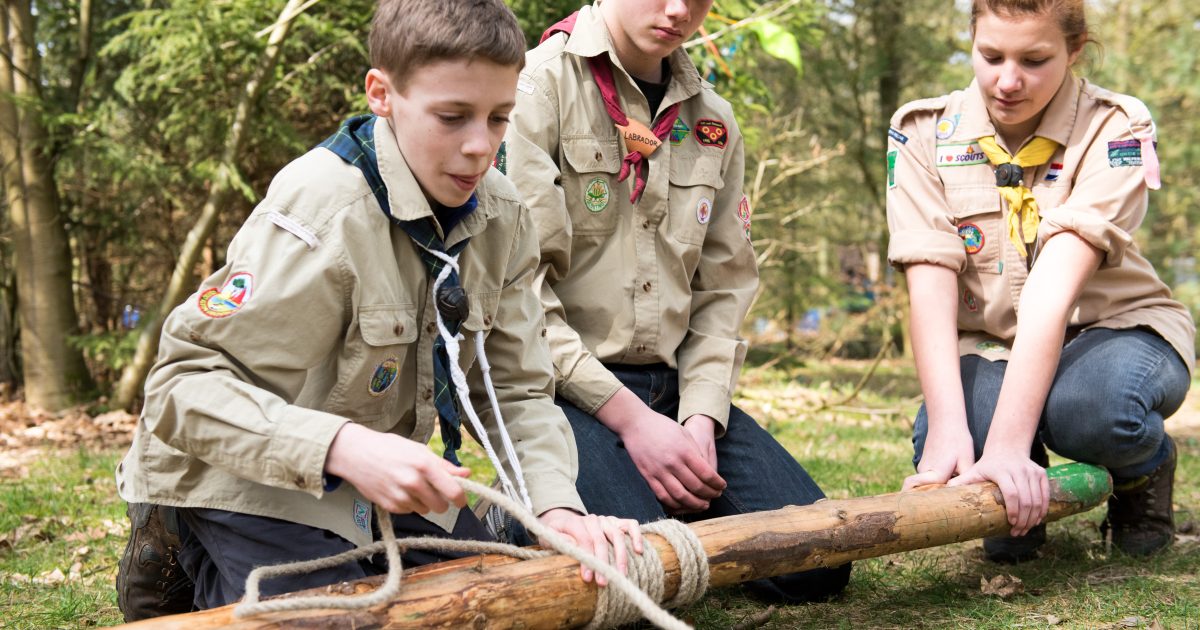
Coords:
pixel 409 34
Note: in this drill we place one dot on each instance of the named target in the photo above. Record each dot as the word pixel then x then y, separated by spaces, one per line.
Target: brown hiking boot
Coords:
pixel 1140 515
pixel 1013 549
pixel 150 582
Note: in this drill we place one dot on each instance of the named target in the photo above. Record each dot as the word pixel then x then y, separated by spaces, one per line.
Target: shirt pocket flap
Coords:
pixel 696 170
pixel 483 311
pixel 387 325
pixel 591 155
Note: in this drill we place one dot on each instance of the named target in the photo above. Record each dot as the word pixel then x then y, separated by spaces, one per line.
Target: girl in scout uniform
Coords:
pixel 632 168
pixel 1035 320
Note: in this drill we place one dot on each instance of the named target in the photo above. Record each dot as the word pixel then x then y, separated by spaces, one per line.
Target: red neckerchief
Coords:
pixel 602 73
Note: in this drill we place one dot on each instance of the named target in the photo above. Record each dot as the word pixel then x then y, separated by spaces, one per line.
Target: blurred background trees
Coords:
pixel 121 120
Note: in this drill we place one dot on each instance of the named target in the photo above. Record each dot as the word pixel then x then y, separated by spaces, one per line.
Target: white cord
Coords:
pixel 460 385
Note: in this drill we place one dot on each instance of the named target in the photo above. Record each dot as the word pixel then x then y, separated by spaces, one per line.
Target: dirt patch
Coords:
pixel 27 434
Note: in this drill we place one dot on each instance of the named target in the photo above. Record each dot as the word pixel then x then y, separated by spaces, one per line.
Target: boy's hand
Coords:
pixel 703 430
pixel 398 474
pixel 664 453
pixel 598 535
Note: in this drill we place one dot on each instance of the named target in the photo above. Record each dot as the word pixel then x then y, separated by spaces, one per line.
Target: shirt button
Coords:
pixel 646 224
pixel 300 482
pixel 543 332
pixel 599 156
pixel 431 328
pixel 487 320
pixel 641 348
pixel 398 329
pixel 428 393
pixel 646 287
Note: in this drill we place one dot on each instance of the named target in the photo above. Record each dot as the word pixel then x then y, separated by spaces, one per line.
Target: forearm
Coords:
pixel 1066 264
pixel 933 296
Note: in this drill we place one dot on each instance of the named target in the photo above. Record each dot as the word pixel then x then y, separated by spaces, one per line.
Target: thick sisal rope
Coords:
pixel 623 601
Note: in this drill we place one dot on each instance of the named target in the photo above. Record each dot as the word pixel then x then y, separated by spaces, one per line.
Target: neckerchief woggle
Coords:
pixel 1023 216
pixel 641 141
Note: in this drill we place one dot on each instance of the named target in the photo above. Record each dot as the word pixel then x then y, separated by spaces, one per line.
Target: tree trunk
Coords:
pixel 220 191
pixel 492 592
pixel 54 372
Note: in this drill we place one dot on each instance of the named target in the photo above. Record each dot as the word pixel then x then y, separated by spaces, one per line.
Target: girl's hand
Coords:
pixel 1022 482
pixel 947 453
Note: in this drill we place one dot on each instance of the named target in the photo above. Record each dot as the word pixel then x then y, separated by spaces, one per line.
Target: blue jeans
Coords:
pixel 1106 406
pixel 761 475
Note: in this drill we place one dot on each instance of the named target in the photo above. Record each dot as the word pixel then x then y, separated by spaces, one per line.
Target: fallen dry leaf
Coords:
pixel 1002 586
pixel 90 534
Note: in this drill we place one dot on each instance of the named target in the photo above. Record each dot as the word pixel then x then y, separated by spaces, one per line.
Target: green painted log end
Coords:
pixel 1083 484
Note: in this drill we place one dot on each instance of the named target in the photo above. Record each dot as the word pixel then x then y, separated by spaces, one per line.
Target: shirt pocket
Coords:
pixel 483 307
pixel 590 184
pixel 380 370
pixel 976 214
pixel 695 181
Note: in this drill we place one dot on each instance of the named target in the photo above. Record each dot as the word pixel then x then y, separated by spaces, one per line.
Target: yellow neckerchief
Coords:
pixel 1023 210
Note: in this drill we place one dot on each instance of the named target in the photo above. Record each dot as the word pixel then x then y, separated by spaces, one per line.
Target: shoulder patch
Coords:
pixel 935 104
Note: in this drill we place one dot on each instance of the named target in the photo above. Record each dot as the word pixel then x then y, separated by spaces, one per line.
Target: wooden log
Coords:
pixel 498 592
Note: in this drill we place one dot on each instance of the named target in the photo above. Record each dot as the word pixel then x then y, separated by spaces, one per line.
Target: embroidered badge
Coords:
pixel 679 131
pixel 991 346
pixel 230 299
pixel 972 237
pixel 960 154
pixel 897 136
pixel 362 515
pixel 969 301
pixel 384 376
pixel 500 162
pixel 744 215
pixel 595 196
pixel 1124 153
pixel 946 127
pixel 1055 170
pixel 891 161
pixel 703 210
pixel 711 133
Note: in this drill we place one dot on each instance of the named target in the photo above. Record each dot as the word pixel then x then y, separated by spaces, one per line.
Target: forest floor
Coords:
pixel 62 527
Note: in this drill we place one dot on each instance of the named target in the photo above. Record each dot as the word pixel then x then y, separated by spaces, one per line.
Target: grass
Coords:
pixel 855 448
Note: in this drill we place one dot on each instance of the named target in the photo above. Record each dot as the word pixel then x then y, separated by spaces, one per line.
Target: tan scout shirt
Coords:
pixel 668 280
pixel 336 324
pixel 943 208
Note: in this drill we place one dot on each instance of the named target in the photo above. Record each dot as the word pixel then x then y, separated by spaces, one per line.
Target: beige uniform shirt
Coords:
pixel 943 208
pixel 668 280
pixel 323 315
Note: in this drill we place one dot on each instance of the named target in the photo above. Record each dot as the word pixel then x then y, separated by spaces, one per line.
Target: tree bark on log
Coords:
pixel 499 592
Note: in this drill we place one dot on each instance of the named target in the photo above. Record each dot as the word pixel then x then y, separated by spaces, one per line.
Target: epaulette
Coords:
pixel 936 103
pixel 1141 127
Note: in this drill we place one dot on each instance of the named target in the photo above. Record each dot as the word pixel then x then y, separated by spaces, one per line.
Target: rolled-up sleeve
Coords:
pixel 1109 196
pixel 918 216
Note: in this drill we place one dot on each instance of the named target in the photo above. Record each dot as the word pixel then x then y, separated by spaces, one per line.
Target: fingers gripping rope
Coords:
pixel 621 602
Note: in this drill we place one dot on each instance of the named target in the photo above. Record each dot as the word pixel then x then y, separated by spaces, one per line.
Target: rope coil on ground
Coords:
pixel 624 600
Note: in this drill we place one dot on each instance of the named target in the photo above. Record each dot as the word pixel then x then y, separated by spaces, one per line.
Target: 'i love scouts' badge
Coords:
pixel 229 299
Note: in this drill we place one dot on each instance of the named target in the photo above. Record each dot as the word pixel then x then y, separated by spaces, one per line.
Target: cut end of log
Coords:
pixel 1084 484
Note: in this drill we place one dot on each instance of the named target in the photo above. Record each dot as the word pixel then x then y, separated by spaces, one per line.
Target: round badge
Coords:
pixel 596 195
pixel 229 299
pixel 703 210
pixel 945 128
pixel 972 237
pixel 384 376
